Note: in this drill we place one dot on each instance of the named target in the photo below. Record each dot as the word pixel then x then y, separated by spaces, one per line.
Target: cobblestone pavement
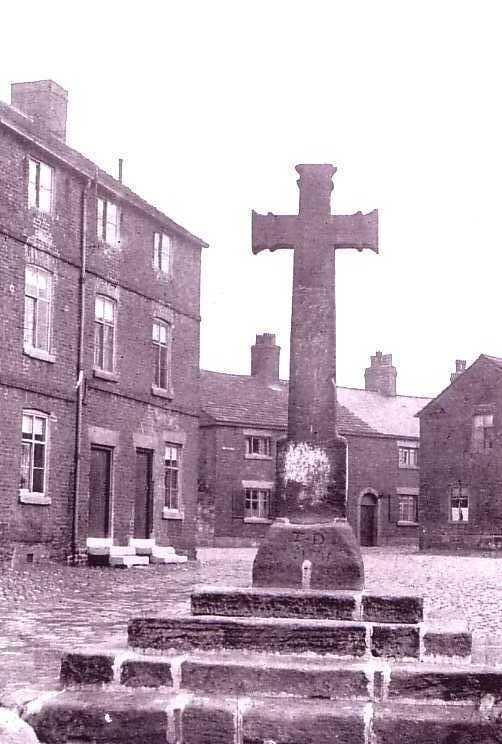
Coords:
pixel 44 610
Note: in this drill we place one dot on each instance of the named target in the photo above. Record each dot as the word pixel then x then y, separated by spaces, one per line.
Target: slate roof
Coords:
pixel 245 400
pixel 24 125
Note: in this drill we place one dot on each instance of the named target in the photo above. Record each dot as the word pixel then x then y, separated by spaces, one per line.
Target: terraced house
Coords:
pixel 243 418
pixel 100 348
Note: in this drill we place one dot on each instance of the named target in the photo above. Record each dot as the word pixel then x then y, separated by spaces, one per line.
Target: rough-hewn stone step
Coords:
pixel 341 605
pixel 136 717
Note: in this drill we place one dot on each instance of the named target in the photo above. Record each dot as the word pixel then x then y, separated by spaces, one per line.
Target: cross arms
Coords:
pixel 354 231
pixel 273 231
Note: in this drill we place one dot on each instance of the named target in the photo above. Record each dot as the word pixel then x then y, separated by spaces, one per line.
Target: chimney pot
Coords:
pixel 45 102
pixel 460 366
pixel 265 356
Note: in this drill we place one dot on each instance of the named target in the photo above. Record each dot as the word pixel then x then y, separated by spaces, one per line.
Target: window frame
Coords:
pixel 264 447
pixel 403 513
pixel 157 385
pixel 34 349
pixel 484 443
pixel 160 263
pixel 97 322
pixel 462 495
pixel 102 221
pixel 263 498
pixel 169 511
pixel 27 494
pixel 35 188
pixel 405 463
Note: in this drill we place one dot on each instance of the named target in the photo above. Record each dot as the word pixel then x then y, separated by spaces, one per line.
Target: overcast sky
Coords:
pixel 211 104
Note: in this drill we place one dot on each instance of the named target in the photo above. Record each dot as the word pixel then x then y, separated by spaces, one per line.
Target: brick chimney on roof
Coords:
pixel 460 365
pixel 381 375
pixel 265 355
pixel 45 102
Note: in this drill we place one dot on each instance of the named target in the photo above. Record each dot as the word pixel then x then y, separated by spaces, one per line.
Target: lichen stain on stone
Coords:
pixel 308 466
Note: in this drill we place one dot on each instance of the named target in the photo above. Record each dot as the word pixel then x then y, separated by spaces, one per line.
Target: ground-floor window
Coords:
pixel 459 505
pixel 172 481
pixel 408 511
pixel 34 452
pixel 257 503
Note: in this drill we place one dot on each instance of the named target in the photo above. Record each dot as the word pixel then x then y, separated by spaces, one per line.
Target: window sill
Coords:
pixel 172 513
pixel 102 374
pixel 409 467
pixel 44 356
pixel 26 497
pixel 162 392
pixel 405 523
pixel 257 520
pixel 461 522
pixel 257 457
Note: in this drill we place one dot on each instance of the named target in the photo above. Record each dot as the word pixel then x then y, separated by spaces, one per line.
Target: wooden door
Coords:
pixel 143 507
pixel 99 492
pixel 367 524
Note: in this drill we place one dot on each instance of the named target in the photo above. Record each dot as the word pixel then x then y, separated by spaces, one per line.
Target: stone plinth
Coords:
pixel 312 556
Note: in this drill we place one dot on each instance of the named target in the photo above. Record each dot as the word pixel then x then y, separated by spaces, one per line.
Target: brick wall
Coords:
pixel 448 460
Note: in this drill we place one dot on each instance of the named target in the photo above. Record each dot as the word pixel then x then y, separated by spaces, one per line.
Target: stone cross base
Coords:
pixel 309 556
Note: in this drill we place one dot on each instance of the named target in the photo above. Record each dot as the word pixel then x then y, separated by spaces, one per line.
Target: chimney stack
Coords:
pixel 381 375
pixel 265 356
pixel 460 365
pixel 45 102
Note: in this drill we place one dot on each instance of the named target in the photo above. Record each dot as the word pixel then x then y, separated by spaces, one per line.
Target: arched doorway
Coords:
pixel 368 518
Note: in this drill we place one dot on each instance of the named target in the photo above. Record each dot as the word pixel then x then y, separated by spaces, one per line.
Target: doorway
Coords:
pixel 368 520
pixel 99 492
pixel 143 503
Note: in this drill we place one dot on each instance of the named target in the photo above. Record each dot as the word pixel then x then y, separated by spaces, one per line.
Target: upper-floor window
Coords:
pixel 459 504
pixel 37 308
pixel 161 338
pixel 258 446
pixel 257 503
pixel 482 432
pixel 408 456
pixel 33 452
pixel 108 222
pixel 104 333
pixel 40 185
pixel 161 252
pixel 172 465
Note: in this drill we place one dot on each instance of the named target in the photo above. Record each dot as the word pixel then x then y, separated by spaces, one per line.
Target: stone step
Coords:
pixel 166 555
pixel 142 546
pixel 286 636
pixel 128 560
pixel 339 605
pixel 99 545
pixel 267 674
pixel 138 716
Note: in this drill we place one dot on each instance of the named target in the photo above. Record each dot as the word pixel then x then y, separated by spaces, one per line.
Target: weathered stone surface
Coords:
pixel 277 635
pixel 118 717
pixel 268 677
pixel 331 548
pixel 300 722
pixel 395 641
pixel 146 673
pixel 447 644
pixel 464 684
pixel 392 609
pixel 86 668
pixel 13 730
pixel 258 602
pixel 205 721
pixel 432 724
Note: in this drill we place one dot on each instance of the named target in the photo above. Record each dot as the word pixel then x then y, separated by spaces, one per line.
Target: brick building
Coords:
pixel 99 379
pixel 243 417
pixel 461 460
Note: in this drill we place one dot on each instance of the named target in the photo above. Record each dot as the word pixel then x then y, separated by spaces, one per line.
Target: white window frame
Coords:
pixel 408 508
pixel 170 511
pixel 161 347
pixel 408 455
pixel 37 170
pixel 162 252
pixel 27 495
pixel 458 514
pixel 261 497
pixel 32 344
pixel 257 445
pixel 103 323
pixel 108 231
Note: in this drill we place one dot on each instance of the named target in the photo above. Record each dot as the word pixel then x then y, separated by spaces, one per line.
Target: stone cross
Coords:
pixel 311 487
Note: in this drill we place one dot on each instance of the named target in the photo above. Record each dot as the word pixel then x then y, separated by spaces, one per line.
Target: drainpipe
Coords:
pixel 80 371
